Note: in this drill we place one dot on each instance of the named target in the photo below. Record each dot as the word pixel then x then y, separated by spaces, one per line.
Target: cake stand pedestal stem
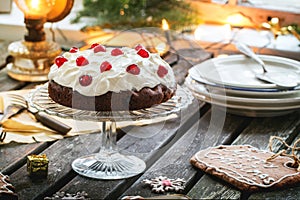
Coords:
pixel 109 136
pixel 108 164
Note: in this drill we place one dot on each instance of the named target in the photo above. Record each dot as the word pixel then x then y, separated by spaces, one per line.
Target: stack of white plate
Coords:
pixel 231 82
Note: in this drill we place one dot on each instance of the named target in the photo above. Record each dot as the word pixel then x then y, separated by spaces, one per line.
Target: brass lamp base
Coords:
pixel 32 60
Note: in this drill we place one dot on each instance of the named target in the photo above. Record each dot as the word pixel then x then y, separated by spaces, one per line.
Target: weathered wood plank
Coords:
pixel 60 156
pixel 149 149
pixel 63 152
pixel 204 189
pixel 209 131
pixel 287 193
pixel 256 134
pixel 13 156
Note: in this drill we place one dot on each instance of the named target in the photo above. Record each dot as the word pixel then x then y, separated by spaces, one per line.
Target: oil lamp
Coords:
pixel 33 56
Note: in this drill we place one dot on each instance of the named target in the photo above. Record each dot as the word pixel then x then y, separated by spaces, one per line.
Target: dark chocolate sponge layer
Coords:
pixel 110 101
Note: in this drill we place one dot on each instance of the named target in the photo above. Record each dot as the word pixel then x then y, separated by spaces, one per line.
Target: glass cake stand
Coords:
pixel 108 163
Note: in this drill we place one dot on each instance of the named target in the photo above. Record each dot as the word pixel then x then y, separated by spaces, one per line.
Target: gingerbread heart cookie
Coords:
pixel 246 167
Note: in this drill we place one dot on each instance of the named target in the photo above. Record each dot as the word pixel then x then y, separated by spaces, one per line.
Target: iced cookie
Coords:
pixel 246 167
pixel 7 191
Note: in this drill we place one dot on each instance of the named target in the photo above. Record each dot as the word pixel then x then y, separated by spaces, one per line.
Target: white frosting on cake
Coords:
pixel 117 78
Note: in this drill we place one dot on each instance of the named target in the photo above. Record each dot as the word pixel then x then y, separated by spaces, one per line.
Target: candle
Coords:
pixel 165 27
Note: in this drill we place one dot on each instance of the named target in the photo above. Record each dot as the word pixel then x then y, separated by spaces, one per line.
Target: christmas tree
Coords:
pixel 124 14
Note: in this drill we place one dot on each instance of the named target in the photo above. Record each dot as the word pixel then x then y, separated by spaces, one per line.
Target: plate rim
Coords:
pixel 287 61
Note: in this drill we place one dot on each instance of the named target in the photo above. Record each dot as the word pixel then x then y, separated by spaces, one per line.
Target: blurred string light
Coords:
pixel 274 26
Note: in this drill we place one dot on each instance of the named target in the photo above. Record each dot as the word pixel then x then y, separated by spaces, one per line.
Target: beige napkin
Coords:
pixel 1 105
pixel 23 128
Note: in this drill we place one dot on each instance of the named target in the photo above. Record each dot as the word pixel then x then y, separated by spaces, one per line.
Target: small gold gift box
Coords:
pixel 37 165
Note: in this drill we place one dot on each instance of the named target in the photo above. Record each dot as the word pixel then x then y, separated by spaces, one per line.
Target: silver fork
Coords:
pixel 19 102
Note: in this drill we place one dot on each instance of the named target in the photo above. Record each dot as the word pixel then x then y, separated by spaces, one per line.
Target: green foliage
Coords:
pixel 120 14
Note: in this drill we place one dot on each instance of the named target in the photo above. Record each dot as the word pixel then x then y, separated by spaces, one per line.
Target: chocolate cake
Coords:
pixel 132 100
pixel 105 79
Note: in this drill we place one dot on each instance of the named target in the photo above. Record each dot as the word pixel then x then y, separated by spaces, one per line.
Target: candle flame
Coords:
pixel 235 19
pixel 34 4
pixel 165 25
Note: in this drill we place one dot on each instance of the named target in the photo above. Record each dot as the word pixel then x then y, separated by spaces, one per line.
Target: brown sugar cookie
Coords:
pixel 246 167
pixel 7 191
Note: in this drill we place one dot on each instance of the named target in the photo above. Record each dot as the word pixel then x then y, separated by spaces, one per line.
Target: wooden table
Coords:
pixel 166 153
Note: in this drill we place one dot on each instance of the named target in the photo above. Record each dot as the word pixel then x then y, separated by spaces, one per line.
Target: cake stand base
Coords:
pixel 108 166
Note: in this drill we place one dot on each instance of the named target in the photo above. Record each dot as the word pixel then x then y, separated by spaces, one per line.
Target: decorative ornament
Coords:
pixel 64 195
pixel 37 165
pixel 274 26
pixel 163 184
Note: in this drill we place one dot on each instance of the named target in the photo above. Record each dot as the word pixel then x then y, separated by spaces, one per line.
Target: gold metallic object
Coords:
pixel 37 165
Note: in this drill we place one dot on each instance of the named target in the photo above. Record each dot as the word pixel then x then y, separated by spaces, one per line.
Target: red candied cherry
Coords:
pixel 99 48
pixel 60 60
pixel 116 52
pixel 133 69
pixel 73 50
pixel 162 71
pixel 93 45
pixel 138 47
pixel 81 61
pixel 143 53
pixel 105 66
pixel 85 80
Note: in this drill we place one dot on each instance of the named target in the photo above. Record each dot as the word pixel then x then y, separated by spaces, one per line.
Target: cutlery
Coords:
pixel 10 111
pixel 281 79
pixel 19 104
pixel 2 134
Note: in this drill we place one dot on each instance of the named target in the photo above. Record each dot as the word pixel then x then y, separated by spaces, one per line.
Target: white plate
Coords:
pixel 289 100
pixel 254 92
pixel 239 70
pixel 254 107
pixel 249 111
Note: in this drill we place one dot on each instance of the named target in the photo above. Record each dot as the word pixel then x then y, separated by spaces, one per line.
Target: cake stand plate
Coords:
pixel 108 163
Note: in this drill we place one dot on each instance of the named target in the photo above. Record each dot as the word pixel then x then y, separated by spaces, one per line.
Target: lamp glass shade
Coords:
pixel 35 9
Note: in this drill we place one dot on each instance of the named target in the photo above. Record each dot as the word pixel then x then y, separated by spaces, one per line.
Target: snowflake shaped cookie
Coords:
pixel 163 184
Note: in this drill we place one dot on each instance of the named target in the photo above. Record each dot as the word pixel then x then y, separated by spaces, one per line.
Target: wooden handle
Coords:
pixel 52 123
